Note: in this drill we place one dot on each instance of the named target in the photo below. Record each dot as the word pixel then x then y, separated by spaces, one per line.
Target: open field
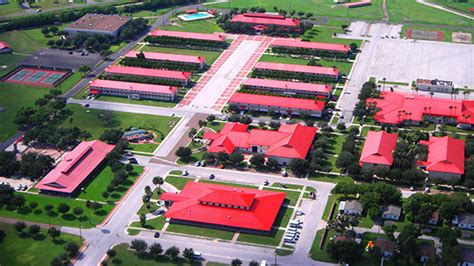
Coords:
pixel 325 34
pixel 410 11
pixel 320 7
pixel 200 231
pixel 68 219
pixel 447 32
pixel 271 240
pixel 25 41
pixel 25 250
pixel 454 4
pixel 210 56
pixel 344 67
pixel 98 184
pixel 9 61
pixel 88 121
pixel 201 26
pixel 14 96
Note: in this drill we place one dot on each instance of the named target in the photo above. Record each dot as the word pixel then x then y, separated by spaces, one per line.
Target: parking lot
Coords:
pixel 62 59
pixel 407 60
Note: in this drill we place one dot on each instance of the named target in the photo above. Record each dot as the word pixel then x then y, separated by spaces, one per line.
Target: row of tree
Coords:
pixel 313 52
pixel 369 90
pixel 286 75
pixel 171 65
pixel 185 42
pixel 32 165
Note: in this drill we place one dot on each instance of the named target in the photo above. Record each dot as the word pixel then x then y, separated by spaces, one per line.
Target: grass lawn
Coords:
pixel 18 250
pixel 226 183
pixel 25 41
pixel 327 210
pixel 145 147
pixel 39 215
pixel 291 197
pixel 177 182
pixel 149 13
pixel 288 186
pixel 454 4
pixel 216 125
pixel 336 143
pixel 15 96
pixel 154 224
pixel 201 26
pixel 145 210
pixel 93 190
pixel 411 11
pixel 331 178
pixel 210 56
pixel 366 222
pixel 176 172
pixel 87 119
pixel 200 231
pixel 325 34
pixel 9 61
pixel 283 217
pixel 271 240
pixel 447 32
pixel 141 102
pixel 317 253
pixel 320 7
pixel 344 67
pixel 129 258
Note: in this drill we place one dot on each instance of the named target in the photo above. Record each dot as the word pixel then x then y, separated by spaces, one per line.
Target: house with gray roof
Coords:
pixel 391 212
pixel 351 207
pixel 464 221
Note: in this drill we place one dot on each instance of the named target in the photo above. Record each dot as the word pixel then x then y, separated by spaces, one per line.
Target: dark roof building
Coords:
pixel 98 24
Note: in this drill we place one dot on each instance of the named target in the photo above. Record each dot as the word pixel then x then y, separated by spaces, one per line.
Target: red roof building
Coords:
pixel 445 158
pixel 358 4
pixel 398 108
pixel 189 35
pixel 75 167
pixel 333 47
pixel 182 77
pixel 282 105
pixel 262 20
pixel 289 142
pixel 224 206
pixel 5 48
pixel 287 87
pixel 378 149
pixel 307 70
pixel 132 90
pixel 190 11
pixel 187 59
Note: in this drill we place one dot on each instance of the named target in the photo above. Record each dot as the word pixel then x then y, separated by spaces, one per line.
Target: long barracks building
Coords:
pixel 133 90
pixel 287 87
pixel 325 72
pixel 179 76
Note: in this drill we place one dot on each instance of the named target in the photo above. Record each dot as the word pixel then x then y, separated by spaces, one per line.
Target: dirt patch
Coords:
pixel 55 154
pixel 425 35
pixel 462 37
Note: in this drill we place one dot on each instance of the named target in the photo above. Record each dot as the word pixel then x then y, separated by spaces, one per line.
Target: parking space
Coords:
pixel 61 59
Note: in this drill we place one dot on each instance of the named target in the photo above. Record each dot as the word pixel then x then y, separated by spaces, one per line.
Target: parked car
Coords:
pixel 25 187
pixel 185 173
pixel 132 161
pixel 203 163
pixel 198 163
pixel 212 176
pixel 157 235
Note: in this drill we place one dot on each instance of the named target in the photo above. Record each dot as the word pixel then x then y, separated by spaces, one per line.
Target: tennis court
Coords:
pixel 36 77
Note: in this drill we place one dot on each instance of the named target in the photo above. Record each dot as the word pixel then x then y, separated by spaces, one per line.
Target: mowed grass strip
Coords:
pixel 209 56
pixel 273 239
pixel 344 67
pixel 283 217
pixel 200 231
pixel 177 182
pixel 153 224
pixel 27 251
pixel 291 197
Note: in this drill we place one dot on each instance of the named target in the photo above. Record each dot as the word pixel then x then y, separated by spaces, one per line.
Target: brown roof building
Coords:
pixel 98 24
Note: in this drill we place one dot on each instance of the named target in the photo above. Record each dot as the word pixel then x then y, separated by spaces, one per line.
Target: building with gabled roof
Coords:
pixel 385 246
pixel 287 143
pixel 279 104
pixel 445 158
pixel 401 108
pixel 261 21
pixel 74 169
pixel 179 58
pixel 329 72
pixel 378 150
pixel 132 90
pixel 216 37
pixel 225 207
pixel 287 87
pixel 162 74
pixel 299 44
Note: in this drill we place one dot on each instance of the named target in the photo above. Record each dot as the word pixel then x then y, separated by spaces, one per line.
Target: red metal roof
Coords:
pixel 133 86
pixel 168 57
pixel 283 85
pixel 332 71
pixel 75 167
pixel 189 35
pixel 4 45
pixel 263 206
pixel 190 11
pixel 277 101
pixel 311 45
pixel 378 148
pixel 147 72
pixel 290 141
pixel 445 154
pixel 265 19
pixel 394 107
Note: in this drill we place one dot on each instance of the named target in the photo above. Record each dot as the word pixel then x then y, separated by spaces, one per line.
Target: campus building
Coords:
pixel 434 85
pixel 279 104
pixel 162 74
pixel 287 87
pixel 132 90
pixel 5 48
pixel 326 72
pixel 75 168
pixel 163 57
pixel 287 143
pixel 445 158
pixel 224 207
pixel 303 45
pixel 378 150
pixel 399 108
pixel 98 24
pixel 261 21
pixel 216 37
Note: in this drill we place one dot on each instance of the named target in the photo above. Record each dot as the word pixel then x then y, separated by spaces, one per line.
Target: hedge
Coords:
pixel 284 75
pixel 138 62
pixel 168 40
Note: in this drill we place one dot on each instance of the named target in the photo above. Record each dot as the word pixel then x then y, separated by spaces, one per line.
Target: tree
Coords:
pixel 139 246
pixel 57 261
pixel 299 167
pixel 257 160
pixel 33 230
pixel 353 47
pixel 272 163
pixel 143 220
pixel 8 163
pixel 63 208
pixel 346 189
pixel 188 253
pixel 254 263
pixel 2 236
pixel 45 30
pixel 211 118
pixel 172 252
pixel 192 132
pixel 155 250
pixel 158 180
pixel 344 251
pixel 78 211
pixel 19 226
pixel 54 233
pixel 48 208
pixel 84 69
pixel 72 248
pixel 184 152
pixel 340 224
pixel 236 262
pixel 111 253
pixel 33 205
pixel 236 158
pixel 111 136
pixel 345 159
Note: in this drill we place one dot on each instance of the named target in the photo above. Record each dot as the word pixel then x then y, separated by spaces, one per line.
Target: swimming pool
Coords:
pixel 195 16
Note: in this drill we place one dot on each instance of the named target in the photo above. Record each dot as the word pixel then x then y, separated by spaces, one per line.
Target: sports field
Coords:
pixel 25 41
pixel 35 77
pixel 447 31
